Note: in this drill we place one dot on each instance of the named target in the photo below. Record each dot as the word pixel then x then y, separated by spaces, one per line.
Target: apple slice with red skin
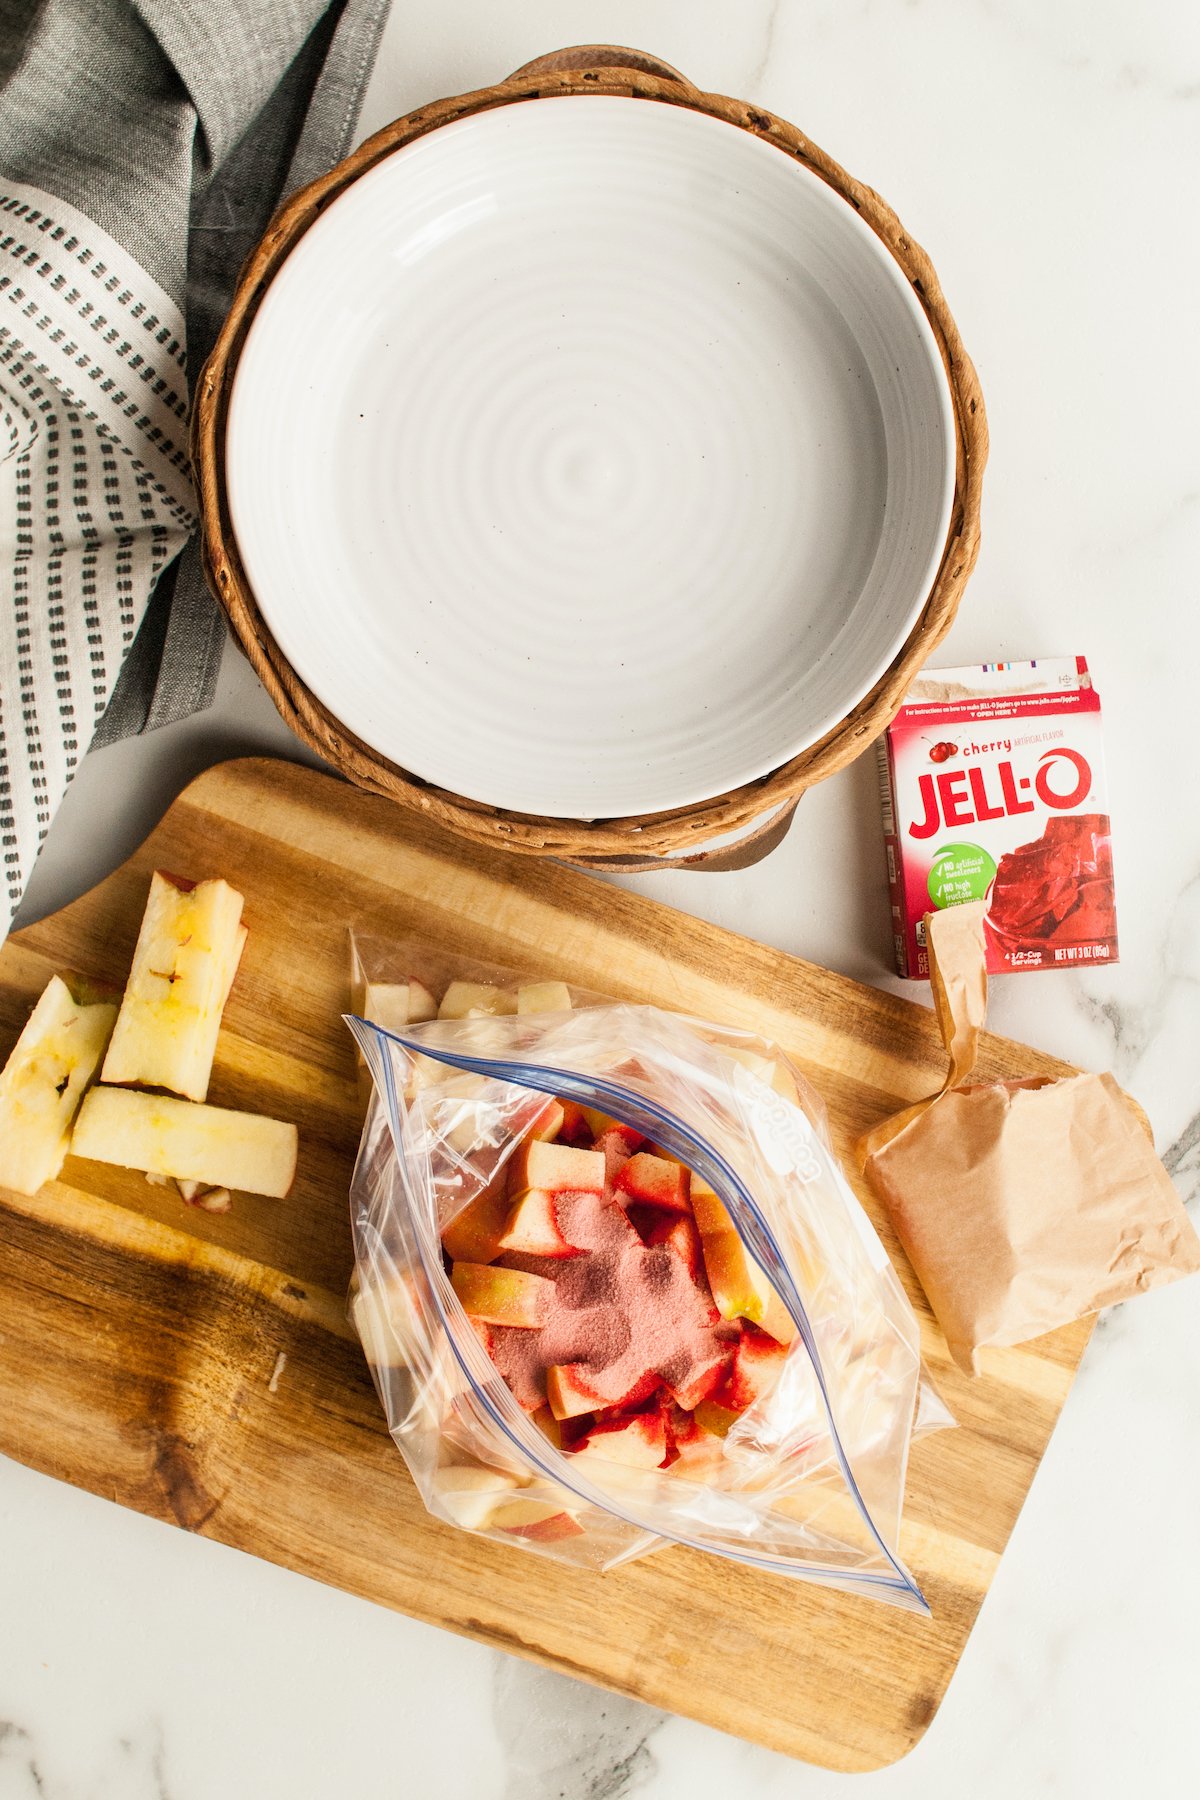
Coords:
pixel 701 1380
pixel 655 1182
pixel 639 1441
pixel 572 1389
pixel 696 1452
pixel 757 1361
pixel 541 1521
pixel 569 1393
pixel 679 1233
pixel 502 1296
pixel 555 1169
pixel 532 1227
pixel 469 1494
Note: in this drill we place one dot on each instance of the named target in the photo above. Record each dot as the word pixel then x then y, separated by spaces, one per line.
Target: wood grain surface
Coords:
pixel 200 1368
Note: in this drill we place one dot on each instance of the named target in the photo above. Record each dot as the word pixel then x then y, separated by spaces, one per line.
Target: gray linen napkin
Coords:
pixel 144 144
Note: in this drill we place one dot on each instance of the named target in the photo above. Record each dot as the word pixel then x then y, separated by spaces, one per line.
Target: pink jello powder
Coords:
pixel 992 786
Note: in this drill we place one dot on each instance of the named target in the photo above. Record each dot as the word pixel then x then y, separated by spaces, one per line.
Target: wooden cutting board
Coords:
pixel 200 1369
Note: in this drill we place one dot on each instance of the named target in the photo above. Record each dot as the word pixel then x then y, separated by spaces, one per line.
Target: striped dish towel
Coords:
pixel 144 145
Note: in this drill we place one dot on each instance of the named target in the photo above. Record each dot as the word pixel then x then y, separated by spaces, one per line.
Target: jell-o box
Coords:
pixel 993 789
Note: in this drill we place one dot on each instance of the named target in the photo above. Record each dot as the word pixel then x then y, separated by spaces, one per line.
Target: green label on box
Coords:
pixel 960 872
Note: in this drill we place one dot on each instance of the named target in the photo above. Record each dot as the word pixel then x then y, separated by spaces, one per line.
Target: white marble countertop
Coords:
pixel 1046 156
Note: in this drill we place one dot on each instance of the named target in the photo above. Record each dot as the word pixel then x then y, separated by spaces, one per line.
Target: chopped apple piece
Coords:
pixel 574 1127
pixel 548 1425
pixel 555 1168
pixel 639 1442
pixel 44 1081
pixel 375 1308
pixel 655 1181
pixel 187 951
pixel 473 1234
pixel 679 1233
pixel 392 1004
pixel 533 1229
pixel 544 996
pixel 549 1122
pixel 213 1200
pixel 600 1124
pixel 475 999
pixel 739 1287
pixel 717 1417
pixel 192 1142
pixel 757 1361
pixel 502 1296
pixel 469 1495
pixel 541 1521
pixel 701 1379
pixel 570 1396
pixel 385 1003
pixel 778 1322
pixel 769 1069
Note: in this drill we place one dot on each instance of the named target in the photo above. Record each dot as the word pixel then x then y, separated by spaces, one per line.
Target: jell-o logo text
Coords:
pixel 955 797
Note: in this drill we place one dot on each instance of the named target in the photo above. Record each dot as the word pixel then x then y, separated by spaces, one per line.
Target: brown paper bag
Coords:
pixel 1021 1204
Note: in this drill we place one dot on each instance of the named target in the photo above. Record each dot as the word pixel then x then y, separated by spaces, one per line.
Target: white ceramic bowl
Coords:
pixel 590 457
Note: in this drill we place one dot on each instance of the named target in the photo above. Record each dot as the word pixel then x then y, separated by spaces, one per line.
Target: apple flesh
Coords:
pixel 570 1395
pixel 770 1070
pixel 574 1126
pixel 474 1000
pixel 502 1296
pixel 474 1234
pixel 468 1495
pixel 532 1227
pixel 600 1124
pixel 544 997
pixel 655 1181
pixel 187 953
pixel 394 1005
pixel 208 1144
pixel 43 1083
pixel 700 1380
pixel 680 1235
pixel 540 1521
pixel 555 1169
pixel 757 1362
pixel 639 1442
pixel 738 1285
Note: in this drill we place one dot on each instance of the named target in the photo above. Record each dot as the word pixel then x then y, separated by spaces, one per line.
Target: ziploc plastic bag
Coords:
pixel 809 1480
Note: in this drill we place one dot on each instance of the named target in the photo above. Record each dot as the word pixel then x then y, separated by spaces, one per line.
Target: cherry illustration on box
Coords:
pixel 993 787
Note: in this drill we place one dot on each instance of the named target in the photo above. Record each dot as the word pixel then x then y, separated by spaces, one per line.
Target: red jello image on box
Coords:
pixel 993 789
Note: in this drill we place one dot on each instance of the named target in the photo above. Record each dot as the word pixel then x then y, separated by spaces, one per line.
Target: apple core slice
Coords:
pixel 181 1138
pixel 187 951
pixel 43 1084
